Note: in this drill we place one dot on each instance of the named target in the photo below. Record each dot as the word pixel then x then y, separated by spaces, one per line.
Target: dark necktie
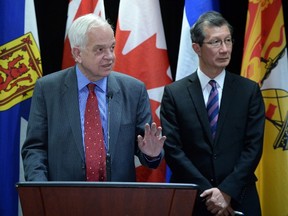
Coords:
pixel 93 138
pixel 213 107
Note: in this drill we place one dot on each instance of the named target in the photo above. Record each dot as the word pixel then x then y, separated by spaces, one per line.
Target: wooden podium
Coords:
pixel 106 198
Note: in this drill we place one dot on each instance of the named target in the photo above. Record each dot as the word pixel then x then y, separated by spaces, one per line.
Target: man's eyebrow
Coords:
pixel 104 45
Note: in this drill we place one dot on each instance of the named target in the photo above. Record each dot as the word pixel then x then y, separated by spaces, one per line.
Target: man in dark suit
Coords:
pixel 54 149
pixel 222 164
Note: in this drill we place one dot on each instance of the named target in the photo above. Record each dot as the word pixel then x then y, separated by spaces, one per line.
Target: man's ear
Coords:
pixel 197 49
pixel 76 54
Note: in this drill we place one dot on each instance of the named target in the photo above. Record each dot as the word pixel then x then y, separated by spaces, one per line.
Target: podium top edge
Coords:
pixel 106 184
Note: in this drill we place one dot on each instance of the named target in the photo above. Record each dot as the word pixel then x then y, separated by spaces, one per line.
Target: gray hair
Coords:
pixel 208 19
pixel 77 33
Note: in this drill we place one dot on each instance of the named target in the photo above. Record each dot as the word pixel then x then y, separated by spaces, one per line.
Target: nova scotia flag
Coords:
pixel 20 66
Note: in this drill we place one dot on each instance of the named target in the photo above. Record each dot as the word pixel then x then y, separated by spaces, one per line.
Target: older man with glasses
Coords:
pixel 214 123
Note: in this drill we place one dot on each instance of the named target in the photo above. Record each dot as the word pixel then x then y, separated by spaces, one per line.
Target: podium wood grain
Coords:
pixel 106 201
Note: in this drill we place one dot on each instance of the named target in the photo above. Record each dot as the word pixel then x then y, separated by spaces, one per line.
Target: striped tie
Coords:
pixel 213 107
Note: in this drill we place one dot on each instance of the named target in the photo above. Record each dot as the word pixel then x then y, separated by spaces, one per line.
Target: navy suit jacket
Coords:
pixel 53 149
pixel 227 162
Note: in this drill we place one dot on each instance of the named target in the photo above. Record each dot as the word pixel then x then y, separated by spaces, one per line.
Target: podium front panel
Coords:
pixel 106 198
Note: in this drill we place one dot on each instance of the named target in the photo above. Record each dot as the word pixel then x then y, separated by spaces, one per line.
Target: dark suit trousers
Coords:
pixel 250 205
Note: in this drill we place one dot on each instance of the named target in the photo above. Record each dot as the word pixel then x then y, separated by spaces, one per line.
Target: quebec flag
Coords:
pixel 20 67
pixel 187 58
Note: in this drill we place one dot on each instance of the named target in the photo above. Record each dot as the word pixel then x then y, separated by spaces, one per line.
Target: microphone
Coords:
pixel 109 96
pixel 108 156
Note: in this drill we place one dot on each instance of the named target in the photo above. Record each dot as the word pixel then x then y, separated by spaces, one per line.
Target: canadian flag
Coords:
pixel 77 8
pixel 141 52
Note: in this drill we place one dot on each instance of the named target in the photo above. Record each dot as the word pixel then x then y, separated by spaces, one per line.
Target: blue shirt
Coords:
pixel 101 92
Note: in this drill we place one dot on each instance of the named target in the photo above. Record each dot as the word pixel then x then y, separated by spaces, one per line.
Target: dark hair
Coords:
pixel 209 19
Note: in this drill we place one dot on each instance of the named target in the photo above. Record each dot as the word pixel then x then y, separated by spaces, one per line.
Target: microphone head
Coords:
pixel 109 95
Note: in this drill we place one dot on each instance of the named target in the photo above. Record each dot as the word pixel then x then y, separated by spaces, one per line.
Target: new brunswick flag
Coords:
pixel 265 61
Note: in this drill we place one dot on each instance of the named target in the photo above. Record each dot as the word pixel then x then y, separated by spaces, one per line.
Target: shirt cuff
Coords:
pixel 152 159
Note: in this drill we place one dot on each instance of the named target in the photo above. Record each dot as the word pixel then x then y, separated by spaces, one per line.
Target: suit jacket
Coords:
pixel 53 149
pixel 227 162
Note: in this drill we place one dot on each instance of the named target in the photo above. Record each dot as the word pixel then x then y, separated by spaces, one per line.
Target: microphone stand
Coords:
pixel 108 156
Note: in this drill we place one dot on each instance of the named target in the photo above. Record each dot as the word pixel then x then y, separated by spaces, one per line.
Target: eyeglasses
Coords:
pixel 217 43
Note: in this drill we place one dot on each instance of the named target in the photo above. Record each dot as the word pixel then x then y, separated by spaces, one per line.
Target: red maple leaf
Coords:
pixel 145 62
pixel 154 106
pixel 150 64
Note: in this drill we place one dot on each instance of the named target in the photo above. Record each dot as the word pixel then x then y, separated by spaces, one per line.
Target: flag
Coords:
pixel 265 61
pixel 187 59
pixel 141 52
pixel 77 8
pixel 20 66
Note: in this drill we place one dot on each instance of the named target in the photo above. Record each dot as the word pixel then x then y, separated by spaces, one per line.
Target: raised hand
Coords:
pixel 152 142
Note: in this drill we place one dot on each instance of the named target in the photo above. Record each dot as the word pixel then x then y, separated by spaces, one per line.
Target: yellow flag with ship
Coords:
pixel 265 61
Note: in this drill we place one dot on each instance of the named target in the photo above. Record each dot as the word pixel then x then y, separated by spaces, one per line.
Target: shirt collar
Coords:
pixel 205 79
pixel 83 81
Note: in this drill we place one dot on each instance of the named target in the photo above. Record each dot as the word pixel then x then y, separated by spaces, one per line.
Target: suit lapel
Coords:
pixel 196 95
pixel 227 97
pixel 70 96
pixel 115 111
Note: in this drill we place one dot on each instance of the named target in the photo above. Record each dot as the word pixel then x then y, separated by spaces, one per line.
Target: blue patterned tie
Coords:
pixel 213 107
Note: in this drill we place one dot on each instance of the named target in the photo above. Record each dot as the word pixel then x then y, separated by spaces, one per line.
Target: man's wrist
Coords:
pixel 149 158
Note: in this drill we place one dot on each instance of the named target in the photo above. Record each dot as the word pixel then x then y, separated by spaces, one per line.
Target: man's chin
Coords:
pixel 223 63
pixel 106 73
